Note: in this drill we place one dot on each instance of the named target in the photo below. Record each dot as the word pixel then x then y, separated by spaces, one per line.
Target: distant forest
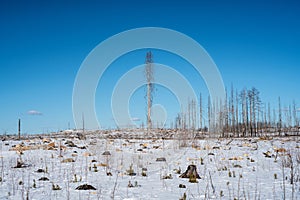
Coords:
pixel 241 114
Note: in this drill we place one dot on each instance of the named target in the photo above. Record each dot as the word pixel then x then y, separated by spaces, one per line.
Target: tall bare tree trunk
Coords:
pixel 209 115
pixel 225 113
pixel 237 113
pixel 274 123
pixel 265 120
pixel 279 117
pixel 149 77
pixel 201 113
pixel 232 112
pixel 269 116
pixel 243 97
pixel 289 119
pixel 296 121
pixel 19 129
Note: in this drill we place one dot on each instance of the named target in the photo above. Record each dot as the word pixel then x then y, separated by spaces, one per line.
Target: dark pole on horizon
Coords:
pixel 82 123
pixel 19 129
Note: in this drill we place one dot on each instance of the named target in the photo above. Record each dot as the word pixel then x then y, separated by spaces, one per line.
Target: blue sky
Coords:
pixel 43 43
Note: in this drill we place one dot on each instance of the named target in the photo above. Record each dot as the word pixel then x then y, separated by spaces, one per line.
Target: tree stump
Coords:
pixel 85 187
pixel 190 172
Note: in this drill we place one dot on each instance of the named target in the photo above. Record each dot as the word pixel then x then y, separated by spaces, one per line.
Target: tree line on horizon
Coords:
pixel 240 114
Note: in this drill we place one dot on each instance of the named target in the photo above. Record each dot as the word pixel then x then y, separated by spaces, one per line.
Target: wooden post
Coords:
pixel 19 129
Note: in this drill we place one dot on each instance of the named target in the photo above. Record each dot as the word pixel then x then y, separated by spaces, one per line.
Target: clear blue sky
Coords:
pixel 43 43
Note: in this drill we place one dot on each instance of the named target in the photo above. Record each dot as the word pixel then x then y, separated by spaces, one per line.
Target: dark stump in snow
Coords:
pixel 190 172
pixel 40 171
pixel 106 153
pixel 69 143
pixel 109 174
pixel 20 164
pixel 162 159
pixel 44 179
pixel 85 187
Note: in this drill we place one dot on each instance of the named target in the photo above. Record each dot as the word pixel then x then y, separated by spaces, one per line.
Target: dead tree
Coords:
pixel 296 120
pixel 232 111
pixel 269 116
pixel 200 113
pixel 243 99
pixel 149 77
pixel 209 115
pixel 279 117
pixel 226 115
pixel 19 129
pixel 237 113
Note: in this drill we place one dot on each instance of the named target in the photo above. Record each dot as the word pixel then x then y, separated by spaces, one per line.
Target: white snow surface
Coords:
pixel 258 178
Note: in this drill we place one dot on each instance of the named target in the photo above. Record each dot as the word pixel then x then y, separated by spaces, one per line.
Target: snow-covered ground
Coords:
pixel 229 168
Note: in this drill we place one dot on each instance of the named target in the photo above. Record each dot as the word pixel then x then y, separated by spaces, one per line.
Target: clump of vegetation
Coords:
pixel 68 160
pixel 75 178
pixel 221 193
pixel 183 197
pixel 95 168
pixel 144 172
pixel 267 154
pixel 169 176
pixel 129 184
pixel 55 187
pixel 130 171
pixel 34 184
pixel 201 161
pixel 177 171
pixel 136 184
pixel 223 169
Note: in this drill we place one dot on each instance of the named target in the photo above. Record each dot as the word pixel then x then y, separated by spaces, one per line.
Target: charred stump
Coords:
pixel 190 172
pixel 85 187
